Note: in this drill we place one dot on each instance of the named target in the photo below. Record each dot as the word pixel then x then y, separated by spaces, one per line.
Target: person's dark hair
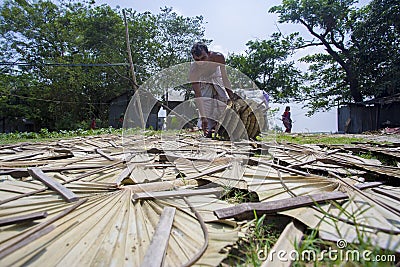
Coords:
pixel 197 49
pixel 287 108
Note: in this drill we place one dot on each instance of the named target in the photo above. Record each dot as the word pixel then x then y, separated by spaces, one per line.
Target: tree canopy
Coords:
pixel 64 62
pixel 361 44
pixel 267 63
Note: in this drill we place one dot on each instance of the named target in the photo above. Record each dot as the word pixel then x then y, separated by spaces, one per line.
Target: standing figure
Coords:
pixel 212 88
pixel 287 121
pixel 266 103
pixel 93 124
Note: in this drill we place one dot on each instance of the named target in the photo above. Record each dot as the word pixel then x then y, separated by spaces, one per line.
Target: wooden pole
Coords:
pixel 128 49
pixel 135 87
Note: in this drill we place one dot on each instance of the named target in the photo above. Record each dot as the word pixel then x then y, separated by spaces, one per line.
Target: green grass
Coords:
pixel 328 139
pixel 46 135
pixel 324 253
pixel 237 196
pixel 384 159
pixel 250 250
pixel 260 235
pixel 363 252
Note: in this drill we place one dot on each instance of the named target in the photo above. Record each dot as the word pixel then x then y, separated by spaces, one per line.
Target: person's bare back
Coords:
pixel 207 65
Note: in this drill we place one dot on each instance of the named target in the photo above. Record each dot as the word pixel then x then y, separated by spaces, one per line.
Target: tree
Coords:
pixel 177 35
pixel 329 22
pixel 67 37
pixel 69 50
pixel 362 55
pixel 376 37
pixel 266 63
pixel 162 41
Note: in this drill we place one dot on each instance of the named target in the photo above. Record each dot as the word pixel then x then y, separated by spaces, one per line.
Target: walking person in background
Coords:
pixel 93 124
pixel 287 121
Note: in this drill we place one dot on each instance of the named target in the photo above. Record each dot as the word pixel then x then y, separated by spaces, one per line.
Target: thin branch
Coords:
pixel 309 45
pixel 120 75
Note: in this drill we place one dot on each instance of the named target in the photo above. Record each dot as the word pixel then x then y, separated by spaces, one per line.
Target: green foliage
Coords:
pixel 265 63
pixel 325 86
pixel 377 37
pixel 327 139
pixel 310 242
pixel 237 196
pixel 161 41
pixel 361 44
pixel 386 160
pixel 73 35
pixel 260 239
pixel 329 22
pixel 45 134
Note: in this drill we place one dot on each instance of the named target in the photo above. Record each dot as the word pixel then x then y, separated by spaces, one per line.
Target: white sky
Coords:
pixel 230 24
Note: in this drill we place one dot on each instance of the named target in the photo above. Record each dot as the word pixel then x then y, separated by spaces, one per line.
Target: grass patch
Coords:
pixel 328 139
pixel 313 251
pixel 46 135
pixel 250 250
pixel 260 234
pixel 384 159
pixel 237 196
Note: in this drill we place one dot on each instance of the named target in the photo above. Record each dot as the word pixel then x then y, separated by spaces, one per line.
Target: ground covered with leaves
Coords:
pixel 111 198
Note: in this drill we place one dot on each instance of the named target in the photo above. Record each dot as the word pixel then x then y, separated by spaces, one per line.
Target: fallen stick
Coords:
pixel 69 181
pixel 67 194
pixel 43 228
pixel 157 249
pixel 246 210
pixel 23 218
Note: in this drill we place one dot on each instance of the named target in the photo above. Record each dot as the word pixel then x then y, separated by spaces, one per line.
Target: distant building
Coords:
pixel 156 118
pixel 370 115
pixel 117 108
pixel 173 98
pixel 162 114
pixel 16 124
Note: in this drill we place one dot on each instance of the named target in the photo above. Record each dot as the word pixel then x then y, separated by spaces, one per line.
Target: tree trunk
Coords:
pixel 354 87
pixel 351 78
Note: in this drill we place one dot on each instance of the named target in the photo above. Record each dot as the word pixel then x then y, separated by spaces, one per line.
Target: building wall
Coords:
pixel 117 108
pixel 389 115
pixel 360 118
pixel 356 119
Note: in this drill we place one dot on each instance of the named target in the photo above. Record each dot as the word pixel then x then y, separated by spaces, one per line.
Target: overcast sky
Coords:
pixel 230 24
